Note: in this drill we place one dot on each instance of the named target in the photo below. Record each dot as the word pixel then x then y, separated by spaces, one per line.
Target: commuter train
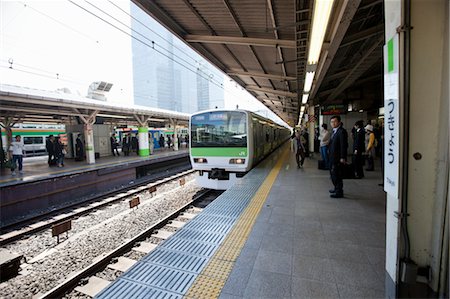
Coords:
pixel 226 144
pixel 34 136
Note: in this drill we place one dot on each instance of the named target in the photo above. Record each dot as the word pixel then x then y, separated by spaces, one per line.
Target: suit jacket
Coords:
pixel 338 145
pixel 360 137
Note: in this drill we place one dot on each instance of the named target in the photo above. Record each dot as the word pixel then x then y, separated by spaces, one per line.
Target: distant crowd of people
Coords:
pixel 131 143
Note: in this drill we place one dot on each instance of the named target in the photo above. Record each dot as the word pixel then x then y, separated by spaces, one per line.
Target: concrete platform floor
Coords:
pixel 305 244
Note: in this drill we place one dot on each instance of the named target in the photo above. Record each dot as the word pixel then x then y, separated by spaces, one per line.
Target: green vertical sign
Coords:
pixel 390 55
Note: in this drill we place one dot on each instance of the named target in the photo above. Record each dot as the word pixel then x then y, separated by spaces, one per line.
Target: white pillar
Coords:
pixel 144 151
pixel 311 125
pixel 175 139
pixel 89 144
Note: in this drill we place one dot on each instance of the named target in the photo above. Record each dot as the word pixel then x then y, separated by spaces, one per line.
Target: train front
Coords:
pixel 219 147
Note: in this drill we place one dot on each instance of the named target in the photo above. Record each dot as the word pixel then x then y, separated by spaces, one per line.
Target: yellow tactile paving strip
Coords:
pixel 210 281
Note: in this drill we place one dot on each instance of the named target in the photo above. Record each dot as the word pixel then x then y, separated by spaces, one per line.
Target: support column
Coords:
pixel 175 136
pixel 311 124
pixel 144 150
pixel 89 143
pixel 88 134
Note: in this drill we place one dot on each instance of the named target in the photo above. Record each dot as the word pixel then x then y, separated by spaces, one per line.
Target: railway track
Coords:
pixel 36 224
pixel 71 282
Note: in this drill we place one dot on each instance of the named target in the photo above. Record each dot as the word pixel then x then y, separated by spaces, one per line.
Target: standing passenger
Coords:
pixel 59 155
pixel 134 143
pixel 299 150
pixel 358 149
pixel 114 144
pixel 79 149
pixel 370 147
pixel 18 150
pixel 161 141
pixel 126 142
pixel 324 142
pixel 338 156
pixel 50 147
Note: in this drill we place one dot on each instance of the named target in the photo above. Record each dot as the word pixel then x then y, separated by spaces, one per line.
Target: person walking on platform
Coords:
pixel 114 144
pixel 370 147
pixel 50 147
pixel 126 143
pixel 17 150
pixel 79 149
pixel 338 156
pixel 358 149
pixel 299 150
pixel 324 142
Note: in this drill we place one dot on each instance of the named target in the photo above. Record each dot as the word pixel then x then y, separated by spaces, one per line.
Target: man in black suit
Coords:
pixel 338 156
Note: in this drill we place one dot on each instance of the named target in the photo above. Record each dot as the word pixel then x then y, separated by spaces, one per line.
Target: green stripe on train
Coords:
pixel 43 133
pixel 219 152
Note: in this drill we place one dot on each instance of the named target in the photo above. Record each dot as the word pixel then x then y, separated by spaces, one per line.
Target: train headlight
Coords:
pixel 237 161
pixel 200 160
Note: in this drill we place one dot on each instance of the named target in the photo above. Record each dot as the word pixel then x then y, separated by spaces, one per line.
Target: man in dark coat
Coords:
pixel 79 149
pixel 338 156
pixel 50 147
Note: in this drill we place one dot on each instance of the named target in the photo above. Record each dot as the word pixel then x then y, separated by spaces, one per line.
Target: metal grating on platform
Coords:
pixel 171 269
pixel 165 278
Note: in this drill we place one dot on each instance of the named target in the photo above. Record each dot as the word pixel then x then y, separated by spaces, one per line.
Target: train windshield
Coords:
pixel 219 129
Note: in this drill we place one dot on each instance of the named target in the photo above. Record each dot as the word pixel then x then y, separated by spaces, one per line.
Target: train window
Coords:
pixel 33 140
pixel 219 129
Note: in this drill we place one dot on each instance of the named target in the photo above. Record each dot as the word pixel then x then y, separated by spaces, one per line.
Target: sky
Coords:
pixel 58 44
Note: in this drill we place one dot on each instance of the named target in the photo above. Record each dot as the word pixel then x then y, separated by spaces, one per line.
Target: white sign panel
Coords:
pixel 391 117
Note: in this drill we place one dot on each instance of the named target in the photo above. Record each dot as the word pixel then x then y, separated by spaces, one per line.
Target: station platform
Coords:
pixel 36 168
pixel 275 234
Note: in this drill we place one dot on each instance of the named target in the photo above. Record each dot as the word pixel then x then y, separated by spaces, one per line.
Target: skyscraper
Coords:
pixel 167 74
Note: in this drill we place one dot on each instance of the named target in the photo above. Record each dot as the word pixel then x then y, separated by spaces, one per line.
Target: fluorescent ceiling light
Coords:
pixel 111 115
pixel 305 98
pixel 322 11
pixel 302 108
pixel 308 81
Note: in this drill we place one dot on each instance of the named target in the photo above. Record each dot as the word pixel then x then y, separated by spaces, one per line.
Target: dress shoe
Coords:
pixel 335 195
pixel 332 191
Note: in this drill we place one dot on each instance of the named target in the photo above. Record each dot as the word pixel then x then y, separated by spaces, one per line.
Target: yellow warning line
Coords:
pixel 210 281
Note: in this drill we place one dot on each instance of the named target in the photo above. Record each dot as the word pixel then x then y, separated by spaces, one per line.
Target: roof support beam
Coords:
pixel 260 75
pixel 365 62
pixel 271 91
pixel 237 40
pixel 340 26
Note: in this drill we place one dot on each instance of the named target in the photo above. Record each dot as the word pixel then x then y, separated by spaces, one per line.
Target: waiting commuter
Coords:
pixel 59 152
pixel 338 156
pixel 370 147
pixel 17 150
pixel 50 147
pixel 161 141
pixel 169 141
pixel 359 149
pixel 114 144
pixel 126 143
pixel 134 143
pixel 79 149
pixel 324 142
pixel 305 141
pixel 299 150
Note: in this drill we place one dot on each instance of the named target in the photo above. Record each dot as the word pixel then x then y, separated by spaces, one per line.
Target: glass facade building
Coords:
pixel 167 74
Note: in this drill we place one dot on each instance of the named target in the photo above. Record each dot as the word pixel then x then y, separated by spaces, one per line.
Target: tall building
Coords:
pixel 166 73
